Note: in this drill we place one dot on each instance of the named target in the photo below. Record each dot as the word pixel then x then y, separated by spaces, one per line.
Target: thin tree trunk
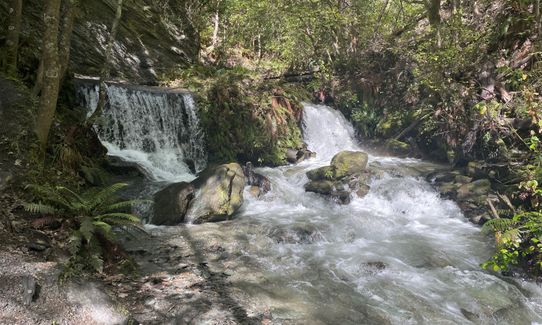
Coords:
pixel 433 13
pixel 51 75
pixel 106 69
pixel 14 30
pixel 538 26
pixel 216 23
pixel 379 21
pixel 65 40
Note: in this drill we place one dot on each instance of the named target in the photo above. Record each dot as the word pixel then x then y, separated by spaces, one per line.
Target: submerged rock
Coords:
pixel 297 155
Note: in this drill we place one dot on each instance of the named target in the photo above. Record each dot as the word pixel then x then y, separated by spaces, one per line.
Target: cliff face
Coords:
pixel 153 38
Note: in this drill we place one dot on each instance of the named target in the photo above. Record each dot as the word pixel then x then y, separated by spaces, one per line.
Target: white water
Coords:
pixel 317 255
pixel 156 128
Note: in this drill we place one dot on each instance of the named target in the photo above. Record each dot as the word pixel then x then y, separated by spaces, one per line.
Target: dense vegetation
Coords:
pixel 457 81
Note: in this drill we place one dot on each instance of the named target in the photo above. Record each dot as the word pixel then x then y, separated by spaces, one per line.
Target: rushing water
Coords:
pixel 154 127
pixel 401 255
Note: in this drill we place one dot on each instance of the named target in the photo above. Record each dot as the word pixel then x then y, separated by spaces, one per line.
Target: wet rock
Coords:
pixel 260 184
pixel 214 196
pixel 320 187
pixel 297 155
pixel 474 190
pixel 462 179
pixel 172 203
pixel 298 234
pixel 363 191
pixel 349 162
pixel 398 147
pixel 346 175
pixel 374 267
pixel 219 195
pixel 442 177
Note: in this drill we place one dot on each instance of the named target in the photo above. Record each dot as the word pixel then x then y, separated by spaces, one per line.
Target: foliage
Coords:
pixel 95 214
pixel 518 242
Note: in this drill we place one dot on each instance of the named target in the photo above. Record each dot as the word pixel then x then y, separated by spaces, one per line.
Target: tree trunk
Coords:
pixel 65 40
pixel 216 23
pixel 433 13
pixel 106 69
pixel 14 30
pixel 380 16
pixel 51 73
pixel 538 26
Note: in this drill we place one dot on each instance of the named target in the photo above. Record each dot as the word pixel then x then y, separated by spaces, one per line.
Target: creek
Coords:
pixel 400 255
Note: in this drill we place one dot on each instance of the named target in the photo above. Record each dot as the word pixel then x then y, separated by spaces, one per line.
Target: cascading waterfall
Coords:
pixel 401 255
pixel 154 127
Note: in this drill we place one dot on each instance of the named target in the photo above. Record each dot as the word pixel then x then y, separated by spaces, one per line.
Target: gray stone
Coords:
pixel 171 204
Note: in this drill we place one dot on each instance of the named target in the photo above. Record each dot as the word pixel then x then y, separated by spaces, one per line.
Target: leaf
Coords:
pixel 87 228
pixel 39 208
pixel 112 218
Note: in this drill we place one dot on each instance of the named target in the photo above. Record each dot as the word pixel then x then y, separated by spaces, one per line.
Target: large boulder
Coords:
pixel 172 203
pixel 349 162
pixel 214 196
pixel 347 174
pixel 219 194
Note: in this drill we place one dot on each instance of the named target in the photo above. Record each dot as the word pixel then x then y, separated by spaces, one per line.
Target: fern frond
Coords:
pixel 510 236
pixel 104 197
pixel 124 204
pixel 131 229
pixel 113 218
pixel 78 199
pixel 87 228
pixel 103 227
pixel 39 208
pixel 50 195
pixel 75 242
pixel 499 225
pixel 95 252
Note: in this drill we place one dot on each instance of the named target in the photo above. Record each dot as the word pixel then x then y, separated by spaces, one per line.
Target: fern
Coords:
pixel 498 225
pixel 39 208
pixel 98 214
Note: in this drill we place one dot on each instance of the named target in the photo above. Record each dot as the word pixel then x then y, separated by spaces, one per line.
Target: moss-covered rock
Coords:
pixel 348 163
pixel 347 174
pixel 171 204
pixel 219 193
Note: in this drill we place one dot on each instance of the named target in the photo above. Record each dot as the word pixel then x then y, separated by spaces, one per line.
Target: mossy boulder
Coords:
pixel 214 196
pixel 347 174
pixel 349 162
pixel 219 194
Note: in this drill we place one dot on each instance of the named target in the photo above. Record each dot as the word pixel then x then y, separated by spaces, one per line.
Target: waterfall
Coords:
pixel 157 128
pixel 327 131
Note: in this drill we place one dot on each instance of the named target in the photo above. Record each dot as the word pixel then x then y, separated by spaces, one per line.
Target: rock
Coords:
pixel 219 194
pixel 322 173
pixel 255 191
pixel 398 147
pixel 262 183
pixel 461 179
pixel 349 162
pixel 474 189
pixel 363 191
pixel 341 197
pixel 5 179
pixel 442 177
pixel 172 203
pixel 30 289
pixel 448 189
pixel 346 175
pixel 291 155
pixel 320 187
